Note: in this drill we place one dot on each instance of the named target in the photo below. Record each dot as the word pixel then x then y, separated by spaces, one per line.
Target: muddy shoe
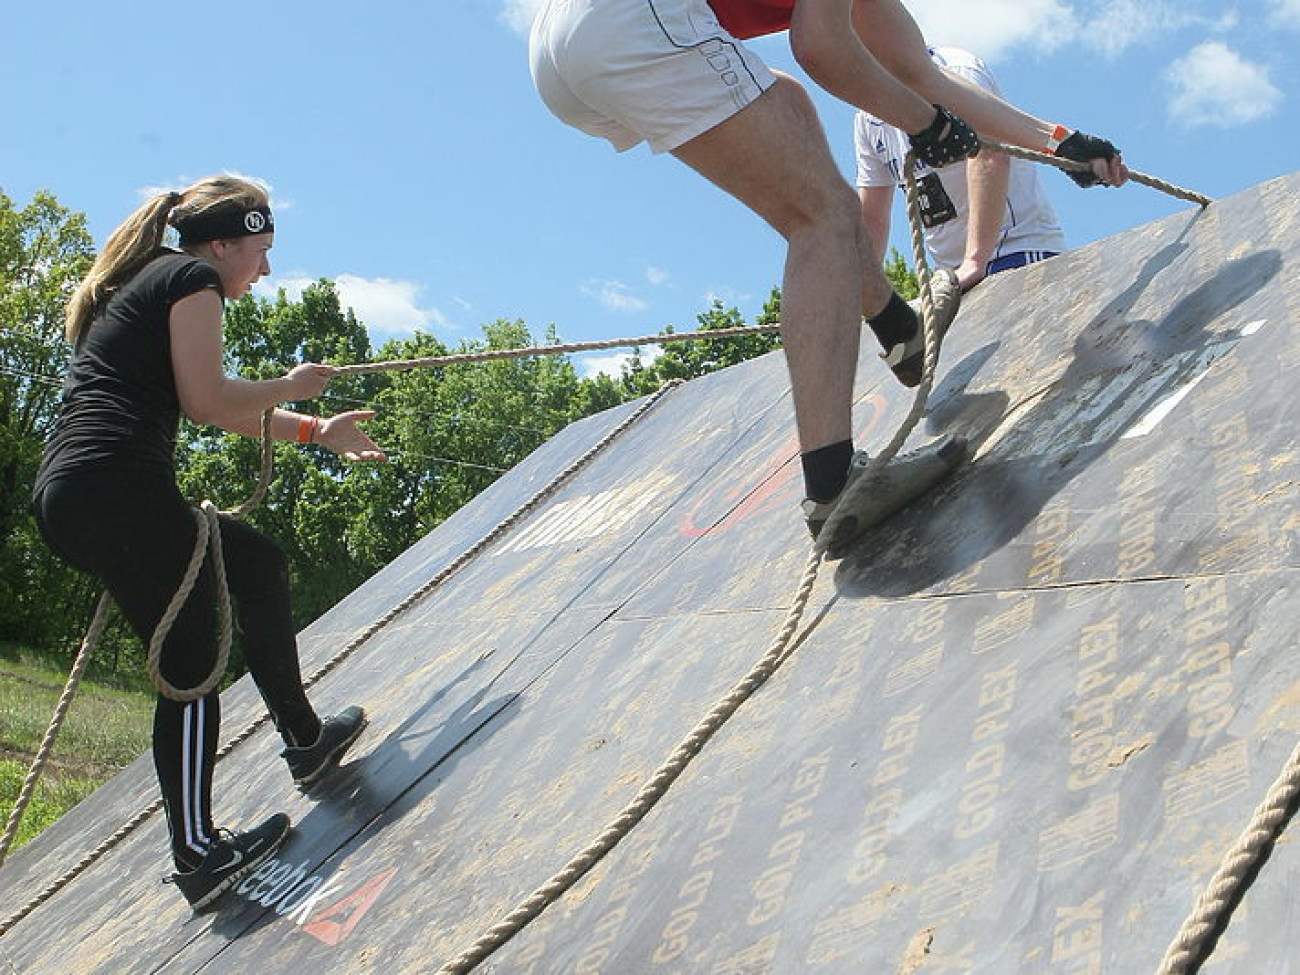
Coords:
pixel 907 359
pixel 308 763
pixel 868 500
pixel 232 858
pixel 815 513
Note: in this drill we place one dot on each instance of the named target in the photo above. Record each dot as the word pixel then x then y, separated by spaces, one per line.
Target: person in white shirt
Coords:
pixel 980 216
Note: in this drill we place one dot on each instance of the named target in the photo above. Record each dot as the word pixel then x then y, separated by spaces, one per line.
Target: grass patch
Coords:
pixel 55 794
pixel 105 729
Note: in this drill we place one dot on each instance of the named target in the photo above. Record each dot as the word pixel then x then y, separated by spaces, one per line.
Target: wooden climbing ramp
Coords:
pixel 1024 722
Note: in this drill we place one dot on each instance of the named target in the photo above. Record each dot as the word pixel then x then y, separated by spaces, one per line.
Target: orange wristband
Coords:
pixel 307 429
pixel 1059 135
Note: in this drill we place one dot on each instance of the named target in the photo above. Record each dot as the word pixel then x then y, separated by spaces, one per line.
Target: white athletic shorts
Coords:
pixel 626 70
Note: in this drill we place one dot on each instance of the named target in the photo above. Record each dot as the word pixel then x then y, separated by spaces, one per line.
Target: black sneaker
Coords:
pixel 310 762
pixel 907 359
pixel 232 858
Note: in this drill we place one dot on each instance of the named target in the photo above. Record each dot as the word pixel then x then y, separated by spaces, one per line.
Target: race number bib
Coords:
pixel 935 204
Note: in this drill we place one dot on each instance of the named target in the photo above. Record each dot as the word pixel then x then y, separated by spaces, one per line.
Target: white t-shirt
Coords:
pixel 1030 223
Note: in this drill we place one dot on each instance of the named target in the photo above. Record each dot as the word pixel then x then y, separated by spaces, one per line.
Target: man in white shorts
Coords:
pixel 979 217
pixel 672 73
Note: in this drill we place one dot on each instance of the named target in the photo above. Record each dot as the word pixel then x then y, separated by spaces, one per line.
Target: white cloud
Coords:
pixel 1284 13
pixel 388 308
pixel 1120 25
pixel 994 27
pixel 518 15
pixel 656 275
pixel 614 295
pixel 612 365
pixel 729 297
pixel 1213 85
pixel 182 183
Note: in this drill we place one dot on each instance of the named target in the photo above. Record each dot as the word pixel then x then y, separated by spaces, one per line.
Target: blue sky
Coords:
pixel 412 162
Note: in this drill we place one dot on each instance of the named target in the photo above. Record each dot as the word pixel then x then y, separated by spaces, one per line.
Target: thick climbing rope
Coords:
pixel 1074 166
pixel 209 534
pixel 464 358
pixel 1214 907
pixel 56 722
pixel 410 600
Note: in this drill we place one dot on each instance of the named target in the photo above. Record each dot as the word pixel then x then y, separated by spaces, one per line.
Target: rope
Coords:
pixel 1074 166
pixel 209 534
pixel 143 815
pixel 56 722
pixel 649 794
pixel 392 365
pixel 779 652
pixel 1214 907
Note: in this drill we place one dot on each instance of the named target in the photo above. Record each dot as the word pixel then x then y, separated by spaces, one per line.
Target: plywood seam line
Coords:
pixel 414 597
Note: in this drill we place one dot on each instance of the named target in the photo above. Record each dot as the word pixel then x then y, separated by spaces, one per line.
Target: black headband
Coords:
pixel 224 223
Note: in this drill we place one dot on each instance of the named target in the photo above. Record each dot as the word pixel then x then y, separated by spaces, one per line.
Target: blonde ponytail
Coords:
pixel 128 249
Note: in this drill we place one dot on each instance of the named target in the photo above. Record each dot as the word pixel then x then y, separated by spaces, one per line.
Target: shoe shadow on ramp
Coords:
pixel 1028 445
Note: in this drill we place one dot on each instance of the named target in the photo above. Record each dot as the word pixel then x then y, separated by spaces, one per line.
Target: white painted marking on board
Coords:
pixel 1161 410
pixel 1167 405
pixel 590 515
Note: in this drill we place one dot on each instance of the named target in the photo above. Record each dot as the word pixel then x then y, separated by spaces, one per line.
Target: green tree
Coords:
pixel 900 276
pixel 44 252
pixel 449 431
pixel 693 358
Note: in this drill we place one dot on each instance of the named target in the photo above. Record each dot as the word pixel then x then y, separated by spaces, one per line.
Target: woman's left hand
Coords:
pixel 341 434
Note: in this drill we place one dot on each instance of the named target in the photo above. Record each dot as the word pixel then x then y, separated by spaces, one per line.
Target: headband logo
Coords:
pixel 254 222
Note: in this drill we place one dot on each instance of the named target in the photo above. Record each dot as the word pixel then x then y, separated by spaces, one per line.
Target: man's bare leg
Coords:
pixel 773 157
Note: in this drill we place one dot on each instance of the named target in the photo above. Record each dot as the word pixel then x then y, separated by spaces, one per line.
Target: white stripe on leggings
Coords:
pixel 192 728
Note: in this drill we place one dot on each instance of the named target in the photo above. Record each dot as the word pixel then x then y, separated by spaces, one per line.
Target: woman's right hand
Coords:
pixel 308 380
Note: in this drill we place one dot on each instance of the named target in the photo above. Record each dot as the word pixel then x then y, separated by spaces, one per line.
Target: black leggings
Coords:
pixel 136 533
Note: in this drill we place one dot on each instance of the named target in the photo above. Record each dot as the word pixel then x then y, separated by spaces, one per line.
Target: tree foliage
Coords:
pixel 449 431
pixel 44 251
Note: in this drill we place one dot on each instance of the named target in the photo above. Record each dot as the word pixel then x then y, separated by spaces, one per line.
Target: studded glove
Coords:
pixel 947 140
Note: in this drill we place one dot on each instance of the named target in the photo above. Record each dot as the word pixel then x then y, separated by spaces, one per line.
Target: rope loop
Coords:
pixel 208 537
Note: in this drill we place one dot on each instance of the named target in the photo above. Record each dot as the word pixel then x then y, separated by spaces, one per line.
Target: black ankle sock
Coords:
pixel 826 470
pixel 895 323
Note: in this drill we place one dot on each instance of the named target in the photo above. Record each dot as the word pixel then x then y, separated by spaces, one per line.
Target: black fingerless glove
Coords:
pixel 946 141
pixel 1082 148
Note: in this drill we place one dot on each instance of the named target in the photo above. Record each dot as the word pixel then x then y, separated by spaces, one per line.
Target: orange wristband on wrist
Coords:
pixel 1059 135
pixel 307 429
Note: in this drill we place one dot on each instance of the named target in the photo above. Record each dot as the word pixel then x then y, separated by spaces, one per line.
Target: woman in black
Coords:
pixel 146 329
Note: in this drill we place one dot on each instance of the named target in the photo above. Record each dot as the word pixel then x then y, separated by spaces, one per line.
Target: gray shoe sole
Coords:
pixel 873 497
